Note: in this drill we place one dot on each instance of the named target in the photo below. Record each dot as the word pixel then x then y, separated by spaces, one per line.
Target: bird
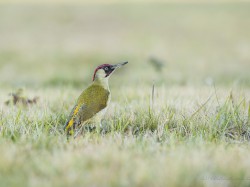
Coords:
pixel 92 104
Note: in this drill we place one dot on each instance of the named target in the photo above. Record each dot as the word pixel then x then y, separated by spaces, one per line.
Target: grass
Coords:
pixel 194 132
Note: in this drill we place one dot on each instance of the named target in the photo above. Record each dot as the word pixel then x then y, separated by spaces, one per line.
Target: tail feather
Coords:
pixel 69 127
pixel 70 124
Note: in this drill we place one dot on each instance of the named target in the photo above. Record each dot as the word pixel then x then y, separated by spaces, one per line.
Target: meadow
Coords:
pixel 186 123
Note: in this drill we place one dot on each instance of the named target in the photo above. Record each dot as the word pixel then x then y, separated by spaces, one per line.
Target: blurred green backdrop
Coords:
pixel 60 44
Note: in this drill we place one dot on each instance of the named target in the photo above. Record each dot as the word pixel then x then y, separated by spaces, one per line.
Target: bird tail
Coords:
pixel 69 126
pixel 71 123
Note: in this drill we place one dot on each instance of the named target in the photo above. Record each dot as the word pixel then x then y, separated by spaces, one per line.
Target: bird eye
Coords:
pixel 106 68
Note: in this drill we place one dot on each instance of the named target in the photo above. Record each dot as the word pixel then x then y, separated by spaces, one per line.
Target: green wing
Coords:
pixel 73 118
pixel 91 101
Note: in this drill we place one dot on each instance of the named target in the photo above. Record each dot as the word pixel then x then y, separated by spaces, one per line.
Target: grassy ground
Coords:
pixel 195 132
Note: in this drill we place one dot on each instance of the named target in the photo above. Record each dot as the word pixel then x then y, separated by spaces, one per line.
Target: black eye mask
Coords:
pixel 108 70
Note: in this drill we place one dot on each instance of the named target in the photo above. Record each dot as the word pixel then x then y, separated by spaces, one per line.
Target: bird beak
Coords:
pixel 116 66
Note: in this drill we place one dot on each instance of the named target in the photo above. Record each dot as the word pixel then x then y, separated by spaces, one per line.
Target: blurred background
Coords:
pixel 59 43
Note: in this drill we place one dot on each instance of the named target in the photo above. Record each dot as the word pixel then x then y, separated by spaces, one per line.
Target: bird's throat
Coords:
pixel 103 82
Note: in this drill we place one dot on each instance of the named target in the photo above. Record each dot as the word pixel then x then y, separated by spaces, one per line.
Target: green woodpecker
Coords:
pixel 94 100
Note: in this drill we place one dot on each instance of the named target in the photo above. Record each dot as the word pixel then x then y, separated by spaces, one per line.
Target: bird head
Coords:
pixel 104 71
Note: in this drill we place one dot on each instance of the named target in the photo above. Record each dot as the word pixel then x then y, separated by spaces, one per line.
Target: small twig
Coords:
pixel 78 132
pixel 248 114
pixel 215 91
pixel 152 96
pixel 202 106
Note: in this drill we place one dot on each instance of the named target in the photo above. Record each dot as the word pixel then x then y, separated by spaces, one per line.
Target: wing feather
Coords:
pixel 89 104
pixel 72 118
